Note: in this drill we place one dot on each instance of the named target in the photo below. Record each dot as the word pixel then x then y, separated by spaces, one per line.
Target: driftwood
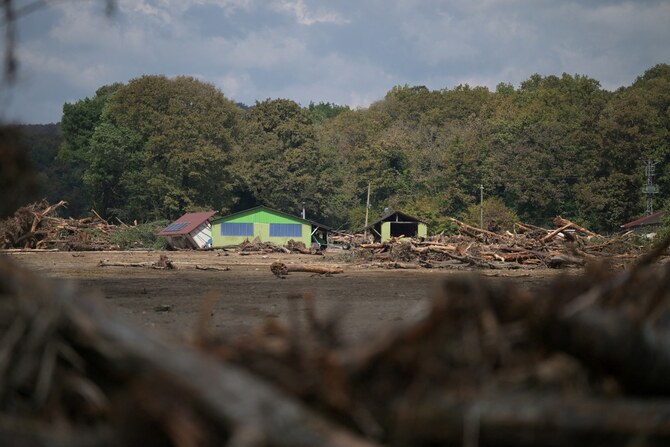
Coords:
pixel 483 249
pixel 280 269
pixel 108 263
pixel 163 263
pixel 36 226
pixel 476 230
pixel 561 221
pixel 212 267
pixel 556 232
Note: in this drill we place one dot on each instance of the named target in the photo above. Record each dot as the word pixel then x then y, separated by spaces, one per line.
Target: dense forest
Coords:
pixel 556 145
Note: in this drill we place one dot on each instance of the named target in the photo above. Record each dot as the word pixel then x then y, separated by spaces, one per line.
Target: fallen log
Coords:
pixel 529 227
pixel 470 228
pixel 556 232
pixel 280 269
pixel 163 263
pixel 531 420
pixel 211 267
pixel 562 221
pixel 108 263
pixel 610 342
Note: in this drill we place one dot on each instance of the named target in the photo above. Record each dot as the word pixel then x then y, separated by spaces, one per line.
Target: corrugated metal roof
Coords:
pixel 191 221
pixel 652 219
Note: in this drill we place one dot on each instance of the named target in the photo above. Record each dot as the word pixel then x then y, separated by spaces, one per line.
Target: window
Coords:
pixel 175 227
pixel 285 230
pixel 237 229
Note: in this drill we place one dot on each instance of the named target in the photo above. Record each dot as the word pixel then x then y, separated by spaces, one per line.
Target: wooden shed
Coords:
pixel 192 230
pixel 397 224
pixel 268 225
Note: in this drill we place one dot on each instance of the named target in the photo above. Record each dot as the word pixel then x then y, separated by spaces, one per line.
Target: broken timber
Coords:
pixel 280 269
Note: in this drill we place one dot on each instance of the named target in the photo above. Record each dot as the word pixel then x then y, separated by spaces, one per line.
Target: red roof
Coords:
pixel 187 223
pixel 652 219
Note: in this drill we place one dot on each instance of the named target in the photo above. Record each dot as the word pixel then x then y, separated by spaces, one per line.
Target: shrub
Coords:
pixel 497 215
pixel 141 236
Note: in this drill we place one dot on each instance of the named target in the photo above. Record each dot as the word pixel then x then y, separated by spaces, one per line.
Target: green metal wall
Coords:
pixel 261 219
pixel 259 216
pixel 386 231
pixel 422 230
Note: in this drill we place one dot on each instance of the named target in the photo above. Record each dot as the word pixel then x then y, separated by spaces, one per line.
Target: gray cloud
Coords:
pixel 347 52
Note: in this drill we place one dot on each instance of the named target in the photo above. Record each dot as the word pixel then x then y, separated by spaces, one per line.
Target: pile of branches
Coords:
pixel 585 361
pixel 37 226
pixel 567 245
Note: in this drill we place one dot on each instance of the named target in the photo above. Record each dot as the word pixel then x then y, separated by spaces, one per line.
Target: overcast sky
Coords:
pixel 341 51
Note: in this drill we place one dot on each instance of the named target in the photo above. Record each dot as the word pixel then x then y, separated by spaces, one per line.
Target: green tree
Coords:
pixel 324 111
pixel 163 147
pixel 79 122
pixel 279 163
pixel 545 144
pixel 496 215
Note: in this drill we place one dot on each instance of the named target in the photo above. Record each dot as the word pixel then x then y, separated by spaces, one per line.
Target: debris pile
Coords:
pixel 584 361
pixel 37 226
pixel 567 245
pixel 257 247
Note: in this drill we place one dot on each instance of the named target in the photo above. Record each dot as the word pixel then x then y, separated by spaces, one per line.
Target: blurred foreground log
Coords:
pixel 520 420
pixel 584 360
pixel 181 394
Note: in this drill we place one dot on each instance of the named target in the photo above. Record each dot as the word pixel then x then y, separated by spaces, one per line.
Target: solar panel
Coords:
pixel 175 227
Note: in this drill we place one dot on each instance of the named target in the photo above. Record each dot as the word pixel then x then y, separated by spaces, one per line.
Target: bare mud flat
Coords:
pixel 173 302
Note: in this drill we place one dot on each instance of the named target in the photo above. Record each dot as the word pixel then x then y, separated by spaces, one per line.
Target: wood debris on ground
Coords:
pixel 256 246
pixel 163 263
pixel 567 245
pixel 582 361
pixel 37 226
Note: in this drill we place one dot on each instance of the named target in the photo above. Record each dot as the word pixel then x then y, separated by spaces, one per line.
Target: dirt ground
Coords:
pixel 174 301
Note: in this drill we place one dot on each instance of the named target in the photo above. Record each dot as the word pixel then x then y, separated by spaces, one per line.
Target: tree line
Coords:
pixel 156 147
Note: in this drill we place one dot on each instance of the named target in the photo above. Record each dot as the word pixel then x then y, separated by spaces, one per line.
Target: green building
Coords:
pixel 397 224
pixel 268 225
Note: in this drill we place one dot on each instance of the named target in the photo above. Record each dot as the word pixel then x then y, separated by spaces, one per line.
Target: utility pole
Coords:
pixel 481 206
pixel 367 209
pixel 650 189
